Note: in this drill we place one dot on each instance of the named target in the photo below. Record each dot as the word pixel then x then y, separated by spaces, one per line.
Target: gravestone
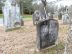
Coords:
pixel 47 28
pixel 47 33
pixel 65 18
pixel 11 12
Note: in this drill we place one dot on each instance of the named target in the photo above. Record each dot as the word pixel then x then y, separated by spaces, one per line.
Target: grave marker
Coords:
pixel 11 12
pixel 47 33
pixel 47 28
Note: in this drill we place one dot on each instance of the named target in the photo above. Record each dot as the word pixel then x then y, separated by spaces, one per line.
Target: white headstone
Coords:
pixel 11 12
pixel 65 19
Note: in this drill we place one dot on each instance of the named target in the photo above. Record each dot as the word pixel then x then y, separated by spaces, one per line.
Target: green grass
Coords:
pixel 58 48
pixel 25 17
pixel 1 15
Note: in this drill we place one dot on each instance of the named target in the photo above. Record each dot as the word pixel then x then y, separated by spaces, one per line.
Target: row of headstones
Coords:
pixel 12 16
pixel 47 29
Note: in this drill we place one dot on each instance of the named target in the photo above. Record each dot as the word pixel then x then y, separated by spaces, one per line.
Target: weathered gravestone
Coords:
pixel 47 33
pixel 65 18
pixel 11 12
pixel 47 29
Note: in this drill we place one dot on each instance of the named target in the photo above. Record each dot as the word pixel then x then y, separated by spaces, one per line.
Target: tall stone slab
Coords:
pixel 11 12
pixel 65 18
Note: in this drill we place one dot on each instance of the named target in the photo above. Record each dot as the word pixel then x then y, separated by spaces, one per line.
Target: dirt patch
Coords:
pixel 23 40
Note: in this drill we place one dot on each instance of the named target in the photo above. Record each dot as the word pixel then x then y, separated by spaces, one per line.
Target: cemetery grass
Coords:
pixel 1 15
pixel 23 40
pixel 25 17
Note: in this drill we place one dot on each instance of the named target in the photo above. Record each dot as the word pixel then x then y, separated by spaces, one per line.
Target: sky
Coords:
pixel 39 1
pixel 63 2
pixel 50 0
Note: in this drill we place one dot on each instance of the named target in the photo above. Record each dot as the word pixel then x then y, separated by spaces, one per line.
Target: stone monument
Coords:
pixel 47 27
pixel 11 12
pixel 65 18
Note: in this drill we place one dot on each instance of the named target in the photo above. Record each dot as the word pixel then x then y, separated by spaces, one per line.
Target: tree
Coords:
pixel 27 6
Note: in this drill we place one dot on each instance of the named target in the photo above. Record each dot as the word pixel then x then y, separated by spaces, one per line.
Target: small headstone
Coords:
pixel 65 19
pixel 47 33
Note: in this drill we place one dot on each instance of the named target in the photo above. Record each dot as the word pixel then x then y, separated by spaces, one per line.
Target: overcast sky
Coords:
pixel 47 0
pixel 63 2
pixel 39 1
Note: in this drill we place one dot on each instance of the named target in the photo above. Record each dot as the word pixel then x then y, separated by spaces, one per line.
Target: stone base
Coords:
pixel 48 47
pixel 10 29
pixel 55 49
